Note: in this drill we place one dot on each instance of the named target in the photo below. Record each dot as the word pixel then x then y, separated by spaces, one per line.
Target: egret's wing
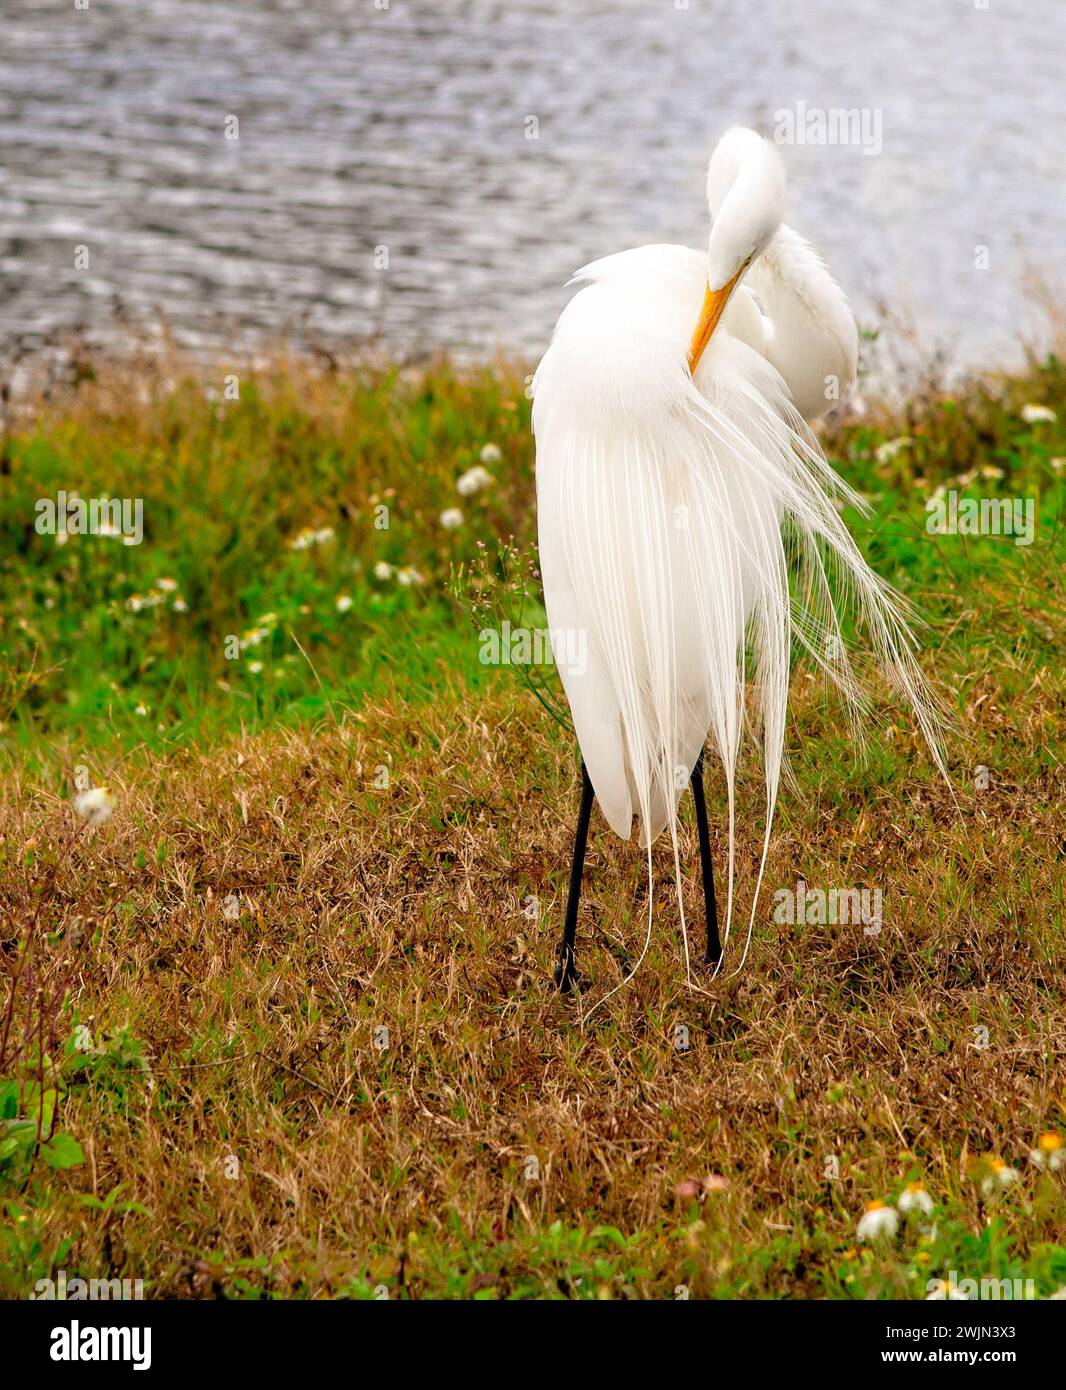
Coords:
pixel 810 334
pixel 578 656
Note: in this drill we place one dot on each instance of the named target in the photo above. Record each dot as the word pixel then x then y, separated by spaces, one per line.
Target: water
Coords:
pixel 406 128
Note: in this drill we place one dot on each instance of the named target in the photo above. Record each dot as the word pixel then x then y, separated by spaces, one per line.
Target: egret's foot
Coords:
pixel 566 976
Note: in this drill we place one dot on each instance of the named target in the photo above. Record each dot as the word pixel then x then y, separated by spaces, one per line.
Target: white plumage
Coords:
pixel 687 523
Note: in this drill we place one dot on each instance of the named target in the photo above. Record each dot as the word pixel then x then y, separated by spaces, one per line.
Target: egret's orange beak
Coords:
pixel 714 302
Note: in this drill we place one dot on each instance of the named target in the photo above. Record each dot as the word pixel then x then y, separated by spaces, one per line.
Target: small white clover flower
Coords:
pixel 1037 414
pixel 891 447
pixel 451 519
pixel 383 570
pixel 876 1221
pixel 136 603
pixel 474 480
pixel 344 602
pixel 255 667
pixel 167 585
pixel 141 709
pixel 999 1176
pixel 490 453
pixel 1050 1153
pixel 94 805
pixel 179 605
pixel 409 576
pixel 305 539
pixel 915 1198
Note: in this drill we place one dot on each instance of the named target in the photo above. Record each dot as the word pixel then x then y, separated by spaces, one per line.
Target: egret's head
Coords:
pixel 746 197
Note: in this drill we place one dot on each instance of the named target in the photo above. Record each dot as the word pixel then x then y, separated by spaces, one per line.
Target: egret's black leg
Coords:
pixel 713 953
pixel 566 969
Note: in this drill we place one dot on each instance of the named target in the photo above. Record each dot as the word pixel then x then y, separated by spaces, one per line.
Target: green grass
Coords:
pixel 94 649
pixel 223 953
pixel 227 489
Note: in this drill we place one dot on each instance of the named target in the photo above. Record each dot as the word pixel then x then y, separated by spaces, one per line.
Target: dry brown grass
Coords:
pixel 403 908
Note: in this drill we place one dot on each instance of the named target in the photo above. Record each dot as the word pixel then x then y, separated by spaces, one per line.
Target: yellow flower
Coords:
pixel 1049 1152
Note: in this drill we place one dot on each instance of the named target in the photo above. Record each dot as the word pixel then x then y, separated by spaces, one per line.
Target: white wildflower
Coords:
pixel 999 1176
pixel 451 519
pixel 1049 1152
pixel 344 602
pixel 876 1221
pixel 383 570
pixel 137 602
pixel 474 480
pixel 915 1198
pixel 305 539
pixel 891 447
pixel 1037 414
pixel 409 576
pixel 94 805
pixel 490 453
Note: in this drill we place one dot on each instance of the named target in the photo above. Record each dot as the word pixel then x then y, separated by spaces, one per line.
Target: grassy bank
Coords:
pixel 294 993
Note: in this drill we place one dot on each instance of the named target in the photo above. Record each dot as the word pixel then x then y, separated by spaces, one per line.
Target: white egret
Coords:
pixel 687 522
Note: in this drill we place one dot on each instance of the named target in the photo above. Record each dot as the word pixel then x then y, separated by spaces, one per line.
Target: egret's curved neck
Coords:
pixel 746 198
pixel 745 194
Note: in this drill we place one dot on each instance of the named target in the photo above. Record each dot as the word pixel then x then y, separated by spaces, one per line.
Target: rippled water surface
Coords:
pixel 408 127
